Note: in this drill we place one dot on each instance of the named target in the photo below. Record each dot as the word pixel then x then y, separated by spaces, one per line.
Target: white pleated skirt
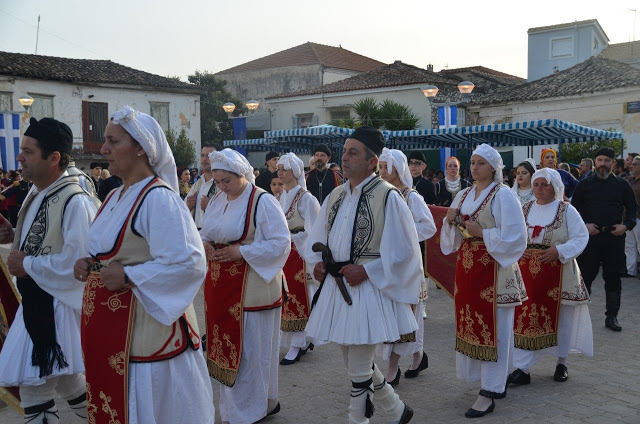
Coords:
pixel 177 390
pixel 372 318
pixel 383 351
pixel 575 335
pixel 15 358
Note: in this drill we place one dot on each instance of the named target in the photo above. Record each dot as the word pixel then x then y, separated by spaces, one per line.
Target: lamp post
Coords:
pixel 26 102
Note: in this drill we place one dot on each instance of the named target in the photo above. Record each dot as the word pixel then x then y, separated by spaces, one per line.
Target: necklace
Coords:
pixel 320 182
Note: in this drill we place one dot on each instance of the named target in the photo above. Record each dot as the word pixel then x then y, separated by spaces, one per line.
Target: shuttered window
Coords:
pixel 42 106
pixel 6 105
pixel 95 117
pixel 160 112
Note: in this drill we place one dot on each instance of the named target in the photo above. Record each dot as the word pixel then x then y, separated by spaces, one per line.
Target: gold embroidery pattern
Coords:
pixel 107 408
pixel 233 270
pixel 486 336
pixel 535 329
pixel 485 259
pixel 114 303
pixel 215 272
pixel 467 257
pixel 554 293
pixel 117 362
pixel 235 310
pixel 519 322
pixel 91 407
pixel 534 264
pixel 299 277
pixel 216 348
pixel 487 294
pixel 233 354
pixel 466 331
pixel 89 296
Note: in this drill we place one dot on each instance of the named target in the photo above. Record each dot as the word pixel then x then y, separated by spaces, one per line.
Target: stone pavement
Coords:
pixel 602 389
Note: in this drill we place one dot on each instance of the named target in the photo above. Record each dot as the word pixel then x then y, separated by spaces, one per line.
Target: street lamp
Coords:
pixel 252 105
pixel 430 92
pixel 26 102
pixel 229 108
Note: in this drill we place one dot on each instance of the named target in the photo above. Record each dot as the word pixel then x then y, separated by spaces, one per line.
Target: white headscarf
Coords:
pixel 493 157
pixel 396 159
pixel 553 177
pixel 516 186
pixel 146 131
pixel 232 161
pixel 294 163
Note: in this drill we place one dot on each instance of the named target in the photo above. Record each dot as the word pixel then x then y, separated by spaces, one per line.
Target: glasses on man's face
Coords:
pixel 415 163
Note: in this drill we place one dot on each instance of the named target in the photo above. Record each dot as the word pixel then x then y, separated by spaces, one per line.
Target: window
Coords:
pixel 561 47
pixel 42 106
pixel 461 116
pixel 95 117
pixel 305 120
pixel 160 112
pixel 5 102
pixel 338 114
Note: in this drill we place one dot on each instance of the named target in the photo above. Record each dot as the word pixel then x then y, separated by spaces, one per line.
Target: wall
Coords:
pixel 603 111
pixel 540 63
pixel 184 109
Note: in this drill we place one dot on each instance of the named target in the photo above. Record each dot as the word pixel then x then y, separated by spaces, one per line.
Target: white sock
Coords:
pixel 293 353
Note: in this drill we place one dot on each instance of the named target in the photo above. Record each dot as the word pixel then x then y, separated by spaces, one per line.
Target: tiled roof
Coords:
pixel 488 72
pixel 622 51
pixel 596 74
pixel 82 71
pixel 309 54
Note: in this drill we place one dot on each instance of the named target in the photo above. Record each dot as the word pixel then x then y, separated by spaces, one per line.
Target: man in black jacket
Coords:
pixel 264 179
pixel 608 207
pixel 417 164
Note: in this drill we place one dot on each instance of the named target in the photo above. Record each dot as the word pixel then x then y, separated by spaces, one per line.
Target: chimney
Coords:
pixel 430 67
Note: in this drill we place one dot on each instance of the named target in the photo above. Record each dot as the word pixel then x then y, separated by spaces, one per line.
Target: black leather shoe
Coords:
pixel 395 381
pixel 473 413
pixel 310 347
pixel 285 361
pixel 407 414
pixel 611 322
pixel 272 412
pixel 561 375
pixel 424 364
pixel 519 378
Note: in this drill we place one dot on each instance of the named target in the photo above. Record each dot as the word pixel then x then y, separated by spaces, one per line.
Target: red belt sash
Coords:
pixel 224 289
pixel 475 302
pixel 9 303
pixel 107 323
pixel 295 311
pixel 536 320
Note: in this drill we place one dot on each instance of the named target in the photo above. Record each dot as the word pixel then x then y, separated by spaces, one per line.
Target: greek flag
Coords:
pixel 9 140
pixel 445 153
pixel 448 116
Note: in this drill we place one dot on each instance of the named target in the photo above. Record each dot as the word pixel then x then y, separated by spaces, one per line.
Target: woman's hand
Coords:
pixel 549 255
pixel 113 276
pixel 81 269
pixel 451 215
pixel 526 254
pixel 473 228
pixel 228 254
pixel 209 250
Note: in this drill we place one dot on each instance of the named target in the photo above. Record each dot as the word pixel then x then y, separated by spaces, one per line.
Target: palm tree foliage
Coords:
pixel 388 115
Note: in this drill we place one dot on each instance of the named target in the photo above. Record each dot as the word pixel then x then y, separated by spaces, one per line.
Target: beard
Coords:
pixel 603 172
pixel 320 165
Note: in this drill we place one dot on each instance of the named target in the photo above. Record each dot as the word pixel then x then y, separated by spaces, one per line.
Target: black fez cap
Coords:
pixel 51 132
pixel 271 155
pixel 417 156
pixel 606 151
pixel 370 137
pixel 322 148
pixel 95 165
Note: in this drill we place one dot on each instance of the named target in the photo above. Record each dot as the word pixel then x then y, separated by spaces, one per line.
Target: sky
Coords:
pixel 175 38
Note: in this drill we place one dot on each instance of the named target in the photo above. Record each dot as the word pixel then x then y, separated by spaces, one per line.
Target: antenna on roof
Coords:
pixel 634 11
pixel 37 34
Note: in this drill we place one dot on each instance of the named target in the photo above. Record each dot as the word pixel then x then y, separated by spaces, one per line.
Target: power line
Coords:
pixel 53 35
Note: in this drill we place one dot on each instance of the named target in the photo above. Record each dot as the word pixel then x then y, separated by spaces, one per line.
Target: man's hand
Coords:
pixel 14 263
pixel 473 228
pixel 354 274
pixel 619 229
pixel 228 254
pixel 593 229
pixel 113 276
pixel 6 231
pixel 209 250
pixel 81 269
pixel 204 202
pixel 191 201
pixel 319 272
pixel 451 215
pixel 549 255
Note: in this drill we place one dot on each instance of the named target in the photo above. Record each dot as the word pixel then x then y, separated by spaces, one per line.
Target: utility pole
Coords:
pixel 37 34
pixel 634 11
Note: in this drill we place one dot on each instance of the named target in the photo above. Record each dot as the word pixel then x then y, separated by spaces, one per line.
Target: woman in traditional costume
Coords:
pixel 555 320
pixel 395 170
pixel 522 185
pixel 140 335
pixel 300 209
pixel 247 242
pixel 451 184
pixel 488 282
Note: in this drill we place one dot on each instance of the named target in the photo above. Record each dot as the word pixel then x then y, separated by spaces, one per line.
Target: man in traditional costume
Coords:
pixel 486 226
pixel 203 189
pixel 300 209
pixel 140 335
pixel 84 180
pixel 370 279
pixel 321 180
pixel 608 207
pixel 42 353
pixel 395 170
pixel 247 242
pixel 555 319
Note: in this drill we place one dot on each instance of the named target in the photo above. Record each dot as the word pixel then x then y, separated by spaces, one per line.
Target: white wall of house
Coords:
pixel 560 49
pixel 67 98
pixel 603 111
pixel 285 112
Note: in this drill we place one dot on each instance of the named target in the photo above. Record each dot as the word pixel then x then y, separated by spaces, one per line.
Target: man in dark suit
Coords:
pixel 417 164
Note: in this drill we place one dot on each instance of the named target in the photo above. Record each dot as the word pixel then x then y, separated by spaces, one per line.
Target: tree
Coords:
pixel 215 125
pixel 575 152
pixel 388 115
pixel 183 149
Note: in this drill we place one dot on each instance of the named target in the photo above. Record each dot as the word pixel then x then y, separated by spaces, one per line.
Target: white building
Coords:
pixel 83 93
